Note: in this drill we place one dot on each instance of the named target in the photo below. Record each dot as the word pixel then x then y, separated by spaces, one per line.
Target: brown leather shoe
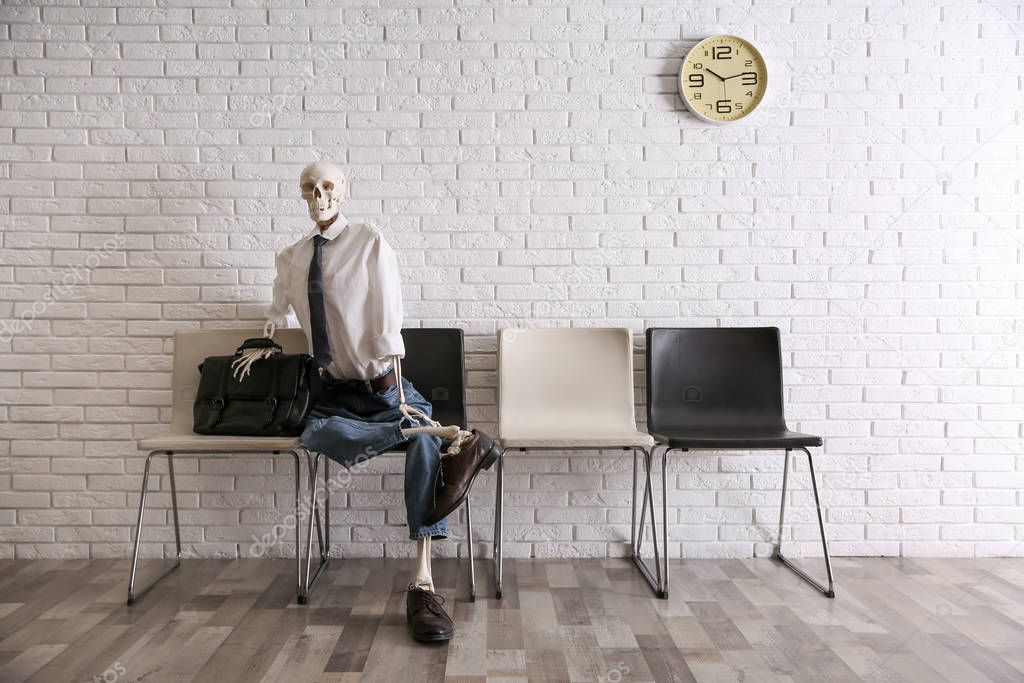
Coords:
pixel 424 611
pixel 457 473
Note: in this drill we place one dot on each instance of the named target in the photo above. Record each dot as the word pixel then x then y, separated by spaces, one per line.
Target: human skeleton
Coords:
pixel 324 186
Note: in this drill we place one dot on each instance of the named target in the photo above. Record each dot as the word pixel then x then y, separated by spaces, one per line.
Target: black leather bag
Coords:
pixel 273 399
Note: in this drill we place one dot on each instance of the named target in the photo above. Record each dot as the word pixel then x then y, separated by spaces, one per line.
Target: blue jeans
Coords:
pixel 352 424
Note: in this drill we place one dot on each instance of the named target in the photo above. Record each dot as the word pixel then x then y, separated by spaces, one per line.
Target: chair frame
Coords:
pixel 661 587
pixel 304 583
pixel 634 543
pixel 658 581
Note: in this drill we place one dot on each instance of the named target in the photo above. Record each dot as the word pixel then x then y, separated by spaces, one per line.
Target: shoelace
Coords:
pixel 432 601
pixel 440 468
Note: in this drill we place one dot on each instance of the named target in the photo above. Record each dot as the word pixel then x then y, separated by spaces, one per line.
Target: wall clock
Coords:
pixel 723 79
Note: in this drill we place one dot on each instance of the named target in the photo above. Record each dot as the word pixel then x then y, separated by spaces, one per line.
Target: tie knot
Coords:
pixel 319 240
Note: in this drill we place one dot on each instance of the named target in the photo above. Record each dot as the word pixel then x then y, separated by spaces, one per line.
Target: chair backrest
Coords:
pixel 191 347
pixel 557 382
pixel 719 377
pixel 433 362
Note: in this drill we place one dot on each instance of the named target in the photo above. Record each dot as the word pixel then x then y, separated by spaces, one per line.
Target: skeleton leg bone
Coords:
pixel 422 578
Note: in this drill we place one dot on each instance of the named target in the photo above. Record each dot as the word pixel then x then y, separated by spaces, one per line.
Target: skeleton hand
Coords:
pixel 242 366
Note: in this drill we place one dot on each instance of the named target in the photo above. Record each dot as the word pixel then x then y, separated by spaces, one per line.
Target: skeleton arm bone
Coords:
pixel 416 417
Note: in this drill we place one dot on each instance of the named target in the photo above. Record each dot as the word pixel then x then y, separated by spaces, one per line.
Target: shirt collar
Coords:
pixel 335 229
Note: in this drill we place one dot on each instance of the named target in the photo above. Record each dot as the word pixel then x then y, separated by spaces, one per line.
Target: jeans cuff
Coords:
pixel 437 532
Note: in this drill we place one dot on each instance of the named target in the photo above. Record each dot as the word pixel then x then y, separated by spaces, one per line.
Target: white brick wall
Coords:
pixel 533 165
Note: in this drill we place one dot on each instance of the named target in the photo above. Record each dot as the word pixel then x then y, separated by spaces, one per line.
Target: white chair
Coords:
pixel 190 348
pixel 568 388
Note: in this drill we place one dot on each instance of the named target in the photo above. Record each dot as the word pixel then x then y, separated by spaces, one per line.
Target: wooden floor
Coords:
pixel 560 620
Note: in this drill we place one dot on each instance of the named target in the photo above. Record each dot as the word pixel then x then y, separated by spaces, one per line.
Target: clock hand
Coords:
pixel 735 75
pixel 715 75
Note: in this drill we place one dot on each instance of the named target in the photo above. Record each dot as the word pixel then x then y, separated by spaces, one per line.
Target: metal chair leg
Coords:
pixel 654 527
pixel 327 507
pixel 469 551
pixel 174 506
pixel 643 519
pixel 656 581
pixel 632 519
pixel 499 526
pixel 664 519
pixel 829 591
pixel 301 590
pixel 315 510
pixel 314 519
pixel 132 595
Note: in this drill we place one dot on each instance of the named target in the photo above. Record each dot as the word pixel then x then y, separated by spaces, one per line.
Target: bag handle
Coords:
pixel 253 349
pixel 258 343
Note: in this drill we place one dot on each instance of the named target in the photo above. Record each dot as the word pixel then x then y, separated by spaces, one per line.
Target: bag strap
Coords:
pixel 220 400
pixel 271 401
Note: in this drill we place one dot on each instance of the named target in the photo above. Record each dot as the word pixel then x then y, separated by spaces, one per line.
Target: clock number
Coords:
pixel 696 95
pixel 723 106
pixel 698 65
pixel 748 62
pixel 721 52
pixel 739 105
pixel 750 93
pixel 749 78
pixel 696 80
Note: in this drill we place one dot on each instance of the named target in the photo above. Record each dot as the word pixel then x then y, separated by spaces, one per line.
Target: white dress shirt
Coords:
pixel 362 297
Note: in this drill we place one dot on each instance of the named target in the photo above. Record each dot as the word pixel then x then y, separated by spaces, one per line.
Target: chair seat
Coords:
pixel 737 438
pixel 610 440
pixel 200 443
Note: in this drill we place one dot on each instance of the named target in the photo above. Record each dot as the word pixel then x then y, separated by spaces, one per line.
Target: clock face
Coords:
pixel 723 79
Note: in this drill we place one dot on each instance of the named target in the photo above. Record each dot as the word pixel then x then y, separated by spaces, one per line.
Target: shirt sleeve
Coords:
pixel 386 301
pixel 280 311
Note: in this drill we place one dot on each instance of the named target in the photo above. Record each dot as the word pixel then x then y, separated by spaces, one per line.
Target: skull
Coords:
pixel 323 187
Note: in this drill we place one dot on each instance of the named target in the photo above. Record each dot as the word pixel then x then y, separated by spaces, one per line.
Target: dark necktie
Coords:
pixel 317 310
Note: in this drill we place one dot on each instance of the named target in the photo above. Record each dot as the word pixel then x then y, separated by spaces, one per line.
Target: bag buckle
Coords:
pixel 271 404
pixel 218 410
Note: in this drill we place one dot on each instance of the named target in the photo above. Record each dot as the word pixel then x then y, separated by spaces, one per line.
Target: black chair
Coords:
pixel 434 363
pixel 716 389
